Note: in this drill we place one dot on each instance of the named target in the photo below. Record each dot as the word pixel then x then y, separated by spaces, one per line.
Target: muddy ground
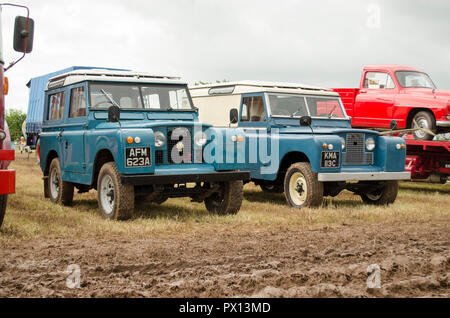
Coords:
pixel 413 258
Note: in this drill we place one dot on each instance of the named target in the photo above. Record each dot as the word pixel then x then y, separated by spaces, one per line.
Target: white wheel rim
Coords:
pixel 421 123
pixel 54 183
pixel 107 194
pixel 298 188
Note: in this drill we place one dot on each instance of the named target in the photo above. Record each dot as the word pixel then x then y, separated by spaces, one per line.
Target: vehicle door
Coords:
pixel 253 120
pixel 375 101
pixel 54 122
pixel 73 137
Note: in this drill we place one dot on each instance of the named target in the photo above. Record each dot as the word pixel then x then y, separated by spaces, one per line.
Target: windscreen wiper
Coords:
pixel 331 113
pixel 112 101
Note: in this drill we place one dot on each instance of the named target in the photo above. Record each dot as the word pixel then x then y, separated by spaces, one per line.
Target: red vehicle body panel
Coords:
pixel 7 181
pixel 7 177
pixel 425 158
pixel 375 108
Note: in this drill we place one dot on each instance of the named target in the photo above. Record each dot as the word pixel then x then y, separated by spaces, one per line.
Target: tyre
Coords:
pixel 423 120
pixel 271 188
pixel 115 200
pixel 228 200
pixel 384 196
pixel 46 189
pixel 301 187
pixel 59 191
pixel 3 201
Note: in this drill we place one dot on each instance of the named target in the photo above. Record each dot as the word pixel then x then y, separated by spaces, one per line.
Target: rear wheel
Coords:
pixel 301 187
pixel 425 120
pixel 3 201
pixel 228 200
pixel 59 191
pixel 115 200
pixel 383 196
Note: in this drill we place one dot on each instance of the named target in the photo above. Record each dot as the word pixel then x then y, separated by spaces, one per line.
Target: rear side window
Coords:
pixel 253 109
pixel 56 106
pixel 378 80
pixel 77 103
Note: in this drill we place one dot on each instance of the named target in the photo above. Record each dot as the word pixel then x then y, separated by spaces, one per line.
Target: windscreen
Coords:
pixel 299 105
pixel 146 96
pixel 414 79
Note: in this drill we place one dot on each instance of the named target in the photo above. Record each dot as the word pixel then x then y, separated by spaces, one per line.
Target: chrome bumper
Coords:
pixel 364 176
pixel 443 123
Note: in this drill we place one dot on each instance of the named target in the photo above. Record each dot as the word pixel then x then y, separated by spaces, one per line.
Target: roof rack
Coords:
pixel 264 84
pixel 105 75
pixel 108 73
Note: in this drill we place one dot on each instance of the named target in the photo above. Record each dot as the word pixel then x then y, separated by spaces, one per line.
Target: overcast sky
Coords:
pixel 323 43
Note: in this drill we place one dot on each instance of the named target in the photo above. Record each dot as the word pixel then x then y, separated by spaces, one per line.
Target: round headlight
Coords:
pixel 160 139
pixel 370 144
pixel 200 139
pixel 2 135
pixel 343 142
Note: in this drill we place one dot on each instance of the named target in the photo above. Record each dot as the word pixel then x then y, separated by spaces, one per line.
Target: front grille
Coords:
pixel 159 157
pixel 355 153
pixel 182 138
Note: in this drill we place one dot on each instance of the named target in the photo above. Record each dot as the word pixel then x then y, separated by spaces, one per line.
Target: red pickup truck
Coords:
pixel 401 93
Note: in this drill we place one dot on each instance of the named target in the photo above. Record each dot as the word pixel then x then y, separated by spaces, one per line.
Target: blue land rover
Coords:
pixel 134 136
pixel 299 141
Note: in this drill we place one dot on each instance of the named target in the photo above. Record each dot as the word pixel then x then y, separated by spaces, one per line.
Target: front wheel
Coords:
pixel 423 120
pixel 301 186
pixel 59 191
pixel 115 200
pixel 383 196
pixel 228 200
pixel 3 201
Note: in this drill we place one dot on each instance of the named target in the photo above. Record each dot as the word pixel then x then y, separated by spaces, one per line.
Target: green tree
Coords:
pixel 15 119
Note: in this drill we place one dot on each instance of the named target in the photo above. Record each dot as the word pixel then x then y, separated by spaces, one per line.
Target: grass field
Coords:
pixel 29 215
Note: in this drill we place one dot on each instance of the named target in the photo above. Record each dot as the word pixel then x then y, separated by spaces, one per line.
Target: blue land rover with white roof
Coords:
pixel 299 141
pixel 135 136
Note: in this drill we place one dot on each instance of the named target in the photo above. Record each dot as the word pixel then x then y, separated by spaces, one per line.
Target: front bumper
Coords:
pixel 443 123
pixel 364 176
pixel 149 179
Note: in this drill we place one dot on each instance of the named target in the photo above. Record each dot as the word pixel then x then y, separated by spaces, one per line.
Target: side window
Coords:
pixel 253 109
pixel 378 80
pixel 77 103
pixel 56 106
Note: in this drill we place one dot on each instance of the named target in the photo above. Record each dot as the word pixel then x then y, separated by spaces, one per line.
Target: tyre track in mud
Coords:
pixel 414 260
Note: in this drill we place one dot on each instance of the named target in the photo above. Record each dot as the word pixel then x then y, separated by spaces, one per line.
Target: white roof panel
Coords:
pixel 112 76
pixel 247 86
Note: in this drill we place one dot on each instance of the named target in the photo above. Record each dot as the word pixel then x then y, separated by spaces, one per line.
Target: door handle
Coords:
pixel 363 91
pixel 60 134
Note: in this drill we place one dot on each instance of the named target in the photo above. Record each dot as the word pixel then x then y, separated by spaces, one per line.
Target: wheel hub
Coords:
pixel 298 188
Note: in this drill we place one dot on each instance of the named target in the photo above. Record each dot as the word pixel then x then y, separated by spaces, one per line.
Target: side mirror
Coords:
pixel 234 115
pixel 113 114
pixel 394 124
pixel 23 34
pixel 305 121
